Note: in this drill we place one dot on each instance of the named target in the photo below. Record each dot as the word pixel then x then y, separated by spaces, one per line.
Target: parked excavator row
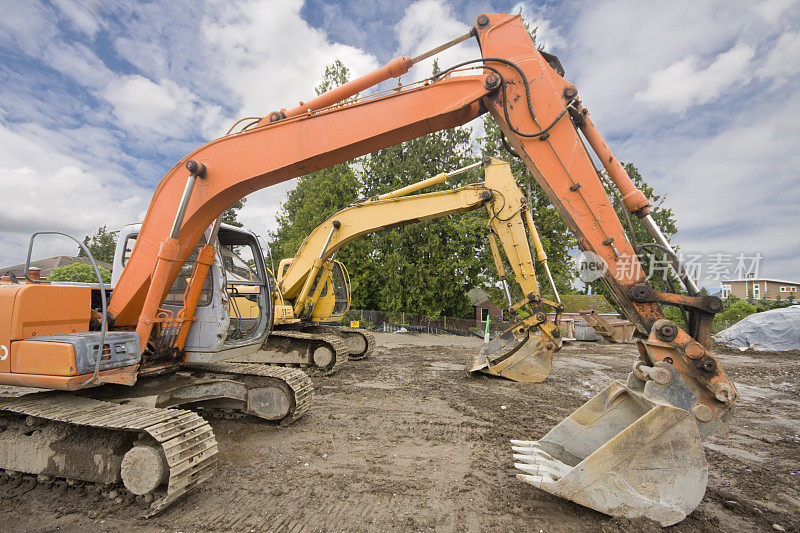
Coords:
pixel 523 352
pixel 118 370
pixel 312 291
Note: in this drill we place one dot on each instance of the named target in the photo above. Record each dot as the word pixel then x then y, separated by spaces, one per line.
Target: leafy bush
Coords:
pixel 78 272
pixel 674 314
pixel 735 309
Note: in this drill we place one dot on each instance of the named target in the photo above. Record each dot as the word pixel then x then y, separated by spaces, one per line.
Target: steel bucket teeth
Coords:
pixel 623 455
pixel 526 359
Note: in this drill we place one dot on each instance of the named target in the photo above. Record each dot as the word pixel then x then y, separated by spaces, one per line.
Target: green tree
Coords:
pixel 101 245
pixel 734 309
pixel 315 197
pixel 79 272
pixel 230 215
pixel 426 267
pixel 336 74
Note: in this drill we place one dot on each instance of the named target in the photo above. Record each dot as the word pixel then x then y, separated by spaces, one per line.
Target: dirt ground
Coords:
pixel 405 441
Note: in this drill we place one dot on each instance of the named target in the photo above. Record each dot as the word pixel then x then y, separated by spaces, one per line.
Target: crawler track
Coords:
pixel 300 384
pixel 288 341
pixel 344 332
pixel 186 441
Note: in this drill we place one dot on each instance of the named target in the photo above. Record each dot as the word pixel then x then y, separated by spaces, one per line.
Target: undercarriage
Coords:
pixel 322 348
pixel 144 443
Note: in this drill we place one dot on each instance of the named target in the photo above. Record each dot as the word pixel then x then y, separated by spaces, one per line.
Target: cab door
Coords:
pixel 246 287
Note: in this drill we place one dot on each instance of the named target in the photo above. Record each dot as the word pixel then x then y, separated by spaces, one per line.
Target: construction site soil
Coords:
pixel 406 441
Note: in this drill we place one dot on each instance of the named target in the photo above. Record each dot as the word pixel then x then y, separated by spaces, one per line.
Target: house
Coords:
pixel 760 289
pixel 47 265
pixel 484 307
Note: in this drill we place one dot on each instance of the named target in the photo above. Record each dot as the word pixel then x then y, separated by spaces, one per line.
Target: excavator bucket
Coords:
pixel 623 453
pixel 518 354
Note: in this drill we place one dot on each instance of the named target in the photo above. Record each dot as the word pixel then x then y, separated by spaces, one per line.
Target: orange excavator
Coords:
pixel 117 371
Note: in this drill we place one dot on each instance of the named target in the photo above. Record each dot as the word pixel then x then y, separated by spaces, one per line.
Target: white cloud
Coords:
pixel 141 105
pixel 732 190
pixel 783 60
pixel 269 57
pixel 616 46
pixel 730 170
pixel 268 70
pixel 78 62
pixel 772 10
pixel 27 27
pixel 684 83
pixel 547 34
pixel 54 191
pixel 260 210
pixel 81 15
pixel 426 25
pixel 147 57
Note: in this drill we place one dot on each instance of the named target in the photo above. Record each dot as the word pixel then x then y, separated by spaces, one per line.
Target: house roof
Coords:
pixel 47 265
pixel 477 295
pixel 574 303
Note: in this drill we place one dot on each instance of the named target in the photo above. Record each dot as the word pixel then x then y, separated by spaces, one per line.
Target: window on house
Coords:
pixel 756 291
pixel 794 289
pixel 484 314
pixel 726 291
pixel 784 288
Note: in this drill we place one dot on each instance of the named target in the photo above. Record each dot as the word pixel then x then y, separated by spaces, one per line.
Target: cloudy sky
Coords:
pixel 98 99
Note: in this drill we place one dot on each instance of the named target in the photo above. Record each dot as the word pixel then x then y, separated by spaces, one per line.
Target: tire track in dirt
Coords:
pixel 405 441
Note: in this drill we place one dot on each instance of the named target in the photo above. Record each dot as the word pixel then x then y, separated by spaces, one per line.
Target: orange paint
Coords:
pixel 30 310
pixel 124 376
pixel 47 358
pixel 393 69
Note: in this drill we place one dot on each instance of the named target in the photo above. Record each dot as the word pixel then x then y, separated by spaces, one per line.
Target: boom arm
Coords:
pixel 499 193
pixel 239 164
pixel 560 163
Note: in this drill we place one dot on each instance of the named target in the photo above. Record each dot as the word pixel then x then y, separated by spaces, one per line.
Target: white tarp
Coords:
pixel 777 330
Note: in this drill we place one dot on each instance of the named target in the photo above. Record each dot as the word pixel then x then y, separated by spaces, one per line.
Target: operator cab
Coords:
pixel 234 312
pixel 334 297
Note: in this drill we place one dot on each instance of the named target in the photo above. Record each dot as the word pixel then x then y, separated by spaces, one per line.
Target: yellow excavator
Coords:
pixel 313 284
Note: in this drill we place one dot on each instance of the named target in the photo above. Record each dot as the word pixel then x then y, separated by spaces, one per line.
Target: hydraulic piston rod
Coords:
pixel 439 178
pixel 680 270
pixel 196 170
pixel 393 69
pixel 540 253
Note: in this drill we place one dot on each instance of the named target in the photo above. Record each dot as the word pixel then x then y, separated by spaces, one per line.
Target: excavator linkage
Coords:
pixel 518 354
